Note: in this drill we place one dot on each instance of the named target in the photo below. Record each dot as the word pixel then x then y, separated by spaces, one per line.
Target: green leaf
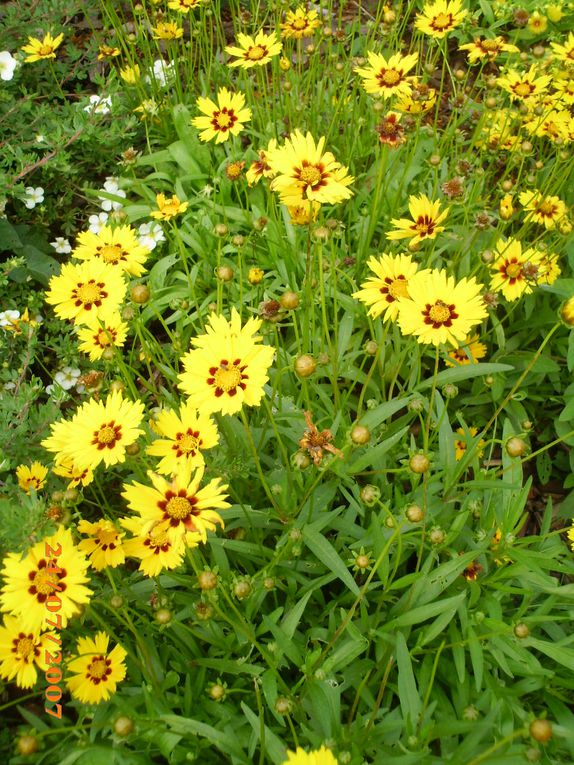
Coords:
pixel 226 742
pixel 476 657
pixel 422 613
pixel 411 704
pixel 327 554
pixel 273 746
pixel 465 372
pixel 560 654
pixel 381 413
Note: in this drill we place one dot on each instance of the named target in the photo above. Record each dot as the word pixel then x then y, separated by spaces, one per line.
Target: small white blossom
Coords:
pixel 34 196
pixel 112 187
pixel 40 138
pixel 61 245
pixel 67 377
pixel 97 222
pixel 99 105
pixel 7 65
pixel 9 317
pixel 163 73
pixel 150 235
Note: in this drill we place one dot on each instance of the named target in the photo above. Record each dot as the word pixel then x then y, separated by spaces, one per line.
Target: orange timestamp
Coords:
pixel 53 603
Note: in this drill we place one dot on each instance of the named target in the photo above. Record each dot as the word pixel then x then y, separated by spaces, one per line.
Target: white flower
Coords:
pixel 67 377
pixel 61 245
pixel 112 187
pixel 40 138
pixel 99 105
pixel 206 191
pixel 34 196
pixel 7 65
pixel 8 318
pixel 150 235
pixel 97 222
pixel 163 73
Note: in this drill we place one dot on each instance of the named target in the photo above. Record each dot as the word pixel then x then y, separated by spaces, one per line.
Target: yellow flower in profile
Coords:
pixel 221 120
pixel 254 51
pixel 388 78
pixel 439 18
pixel 461 443
pixel 21 651
pixel 97 337
pixel 506 207
pixel 391 281
pixel 167 30
pixel 99 431
pixel 66 468
pixel 515 272
pixel 228 366
pixel 53 566
pixel 305 173
pixel 567 316
pixel 470 351
pixel 179 507
pixel 544 209
pixel 130 74
pixel 41 49
pixel 31 477
pixel 440 310
pixel 564 52
pixel 184 437
pixel 426 217
pixel 525 85
pixel 93 288
pixel 95 672
pixel 107 51
pixel 117 246
pixel 300 23
pixel 548 268
pixel 322 756
pixel 302 214
pixel 184 6
pixel 104 548
pixel 154 549
pixel 487 49
pixel 421 99
pixel 168 207
pixel 260 168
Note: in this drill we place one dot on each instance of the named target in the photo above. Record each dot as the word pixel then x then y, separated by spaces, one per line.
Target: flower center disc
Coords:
pixel 223 120
pixel 546 208
pixel 187 442
pixel 178 507
pixel 227 378
pixel 111 253
pixel 523 89
pixel 45 50
pixel 442 21
pixel 389 76
pixel 24 647
pixel 98 669
pixel 299 24
pixel 45 582
pixel 398 288
pixel 103 339
pixel 439 312
pixel 88 293
pixel 158 538
pixel 256 53
pixel 514 270
pixel 311 175
pixel 491 46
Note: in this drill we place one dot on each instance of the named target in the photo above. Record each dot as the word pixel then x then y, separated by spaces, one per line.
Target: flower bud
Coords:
pixel 450 391
pixel 242 589
pixel 255 275
pixel 203 611
pixel 27 745
pixel 217 692
pixel 419 463
pixel 163 616
pixel 300 460
pixel 360 435
pixel 220 229
pixel 289 300
pixel 516 447
pixel 521 630
pixel 414 513
pixel 123 726
pixel 371 347
pixel 541 730
pixel 370 494
pixel 283 706
pixel 305 365
pixel 116 601
pixel 437 535
pixel 238 240
pixel 224 273
pixel 269 583
pixel 140 293
pixel 207 580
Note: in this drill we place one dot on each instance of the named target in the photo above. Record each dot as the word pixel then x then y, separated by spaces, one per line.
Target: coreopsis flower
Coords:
pixel 104 546
pixel 99 431
pixel 487 49
pixel 224 119
pixel 421 99
pixel 66 468
pixel 21 651
pixel 439 18
pixel 304 173
pixel 303 214
pixel 537 23
pixel 179 507
pixel 300 23
pixel 388 78
pixel 254 51
pixel 116 246
pixel 107 51
pixel 440 310
pixel 470 351
pixel 154 549
pixel 390 131
pixel 38 50
pixel 543 209
pixel 322 756
pixel 7 65
pixel 571 535
pixel 167 30
pixel 548 268
pixel 260 168
pixel 92 288
pixel 564 86
pixel 31 579
pixel 525 85
pixel 228 366
pixel 96 336
pixel 130 74
pixel 168 207
pixel 31 477
pixel 426 217
pixel 506 208
pixel 391 280
pixel 95 672
pixel 185 436
pixel 515 271
pixel 184 6
pixel 461 443
pixel 564 52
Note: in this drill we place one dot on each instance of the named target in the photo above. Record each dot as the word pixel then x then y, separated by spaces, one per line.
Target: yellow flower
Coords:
pixel 97 432
pixel 93 288
pixel 95 672
pixel 107 51
pixel 104 548
pixel 546 210
pixel 468 352
pixel 565 52
pixel 420 100
pixel 537 23
pixel 180 507
pixel 391 280
pixel 554 12
pixel 514 272
pixel 183 6
pixel 169 207
pixel 223 119
pixel 548 268
pixel 307 174
pixel 184 437
pixel 487 49
pixel 302 214
pixel 461 444
pixel 526 85
pixel 440 310
pixel 167 30
pixel 260 168
pixel 53 568
pixel 300 23
pixel 228 366
pixel 130 74
pixel 32 477
pixel 506 208
pixel 97 336
pixel 254 51
pixel 154 548
pixel 388 78
pixel 439 18
pixel 567 316
pixel 21 650
pixel 66 468
pixel 117 246
pixel 426 216
pixel 322 756
pixel 41 49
